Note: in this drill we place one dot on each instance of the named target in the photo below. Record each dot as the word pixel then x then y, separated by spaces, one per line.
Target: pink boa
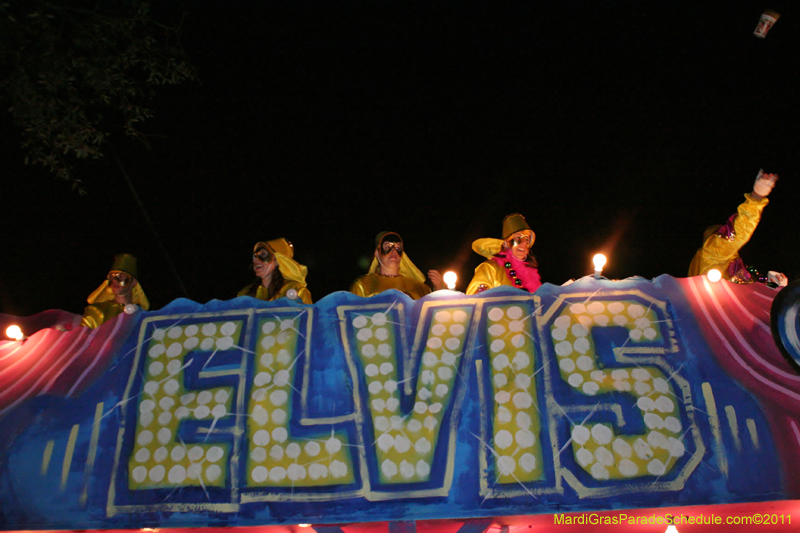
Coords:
pixel 528 275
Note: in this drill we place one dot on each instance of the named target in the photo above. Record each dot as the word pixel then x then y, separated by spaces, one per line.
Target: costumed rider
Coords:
pixel 277 274
pixel 120 292
pixel 392 269
pixel 509 261
pixel 721 243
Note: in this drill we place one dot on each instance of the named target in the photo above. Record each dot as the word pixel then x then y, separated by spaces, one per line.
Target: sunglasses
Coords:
pixel 120 277
pixel 516 240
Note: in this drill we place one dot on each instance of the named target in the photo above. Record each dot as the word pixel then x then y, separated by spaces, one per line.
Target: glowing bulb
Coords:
pixel 14 332
pixel 599 261
pixel 309 525
pixel 450 279
pixel 671 529
pixel 713 275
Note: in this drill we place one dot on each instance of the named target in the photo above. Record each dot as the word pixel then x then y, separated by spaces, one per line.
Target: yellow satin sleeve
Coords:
pixel 97 314
pixel 717 251
pixel 488 275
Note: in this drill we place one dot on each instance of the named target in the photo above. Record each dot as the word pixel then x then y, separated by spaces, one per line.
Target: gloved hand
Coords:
pixel 776 277
pixel 764 183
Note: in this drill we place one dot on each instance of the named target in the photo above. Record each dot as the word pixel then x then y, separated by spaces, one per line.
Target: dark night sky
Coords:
pixel 624 127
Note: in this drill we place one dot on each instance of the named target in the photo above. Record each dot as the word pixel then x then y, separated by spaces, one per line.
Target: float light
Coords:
pixel 309 525
pixel 671 529
pixel 14 332
pixel 450 279
pixel 599 261
pixel 712 275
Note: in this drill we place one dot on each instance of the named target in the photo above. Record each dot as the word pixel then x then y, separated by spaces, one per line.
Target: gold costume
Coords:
pixel 488 275
pixel 96 314
pixel 719 251
pixel 303 293
pixel 410 280
pixel 103 307
pixel 374 283
pixel 294 274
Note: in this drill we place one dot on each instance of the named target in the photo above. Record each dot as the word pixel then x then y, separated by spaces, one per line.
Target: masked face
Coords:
pixel 263 262
pixel 519 244
pixel 390 251
pixel 122 278
pixel 121 283
pixel 388 247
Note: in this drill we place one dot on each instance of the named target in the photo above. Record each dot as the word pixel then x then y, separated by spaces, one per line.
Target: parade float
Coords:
pixel 662 396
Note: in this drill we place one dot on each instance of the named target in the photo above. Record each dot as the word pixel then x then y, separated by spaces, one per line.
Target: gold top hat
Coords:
pixel 514 223
pixel 125 263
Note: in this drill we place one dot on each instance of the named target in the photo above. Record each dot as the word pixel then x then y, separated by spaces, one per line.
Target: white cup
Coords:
pixel 765 23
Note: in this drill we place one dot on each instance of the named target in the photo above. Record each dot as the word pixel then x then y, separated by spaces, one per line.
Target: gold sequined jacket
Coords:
pixel 719 251
pixel 372 284
pixel 303 294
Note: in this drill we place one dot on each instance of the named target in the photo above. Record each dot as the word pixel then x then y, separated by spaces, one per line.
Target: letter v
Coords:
pixel 403 451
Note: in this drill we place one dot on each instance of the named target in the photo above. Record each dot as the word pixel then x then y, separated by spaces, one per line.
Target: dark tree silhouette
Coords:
pixel 73 73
